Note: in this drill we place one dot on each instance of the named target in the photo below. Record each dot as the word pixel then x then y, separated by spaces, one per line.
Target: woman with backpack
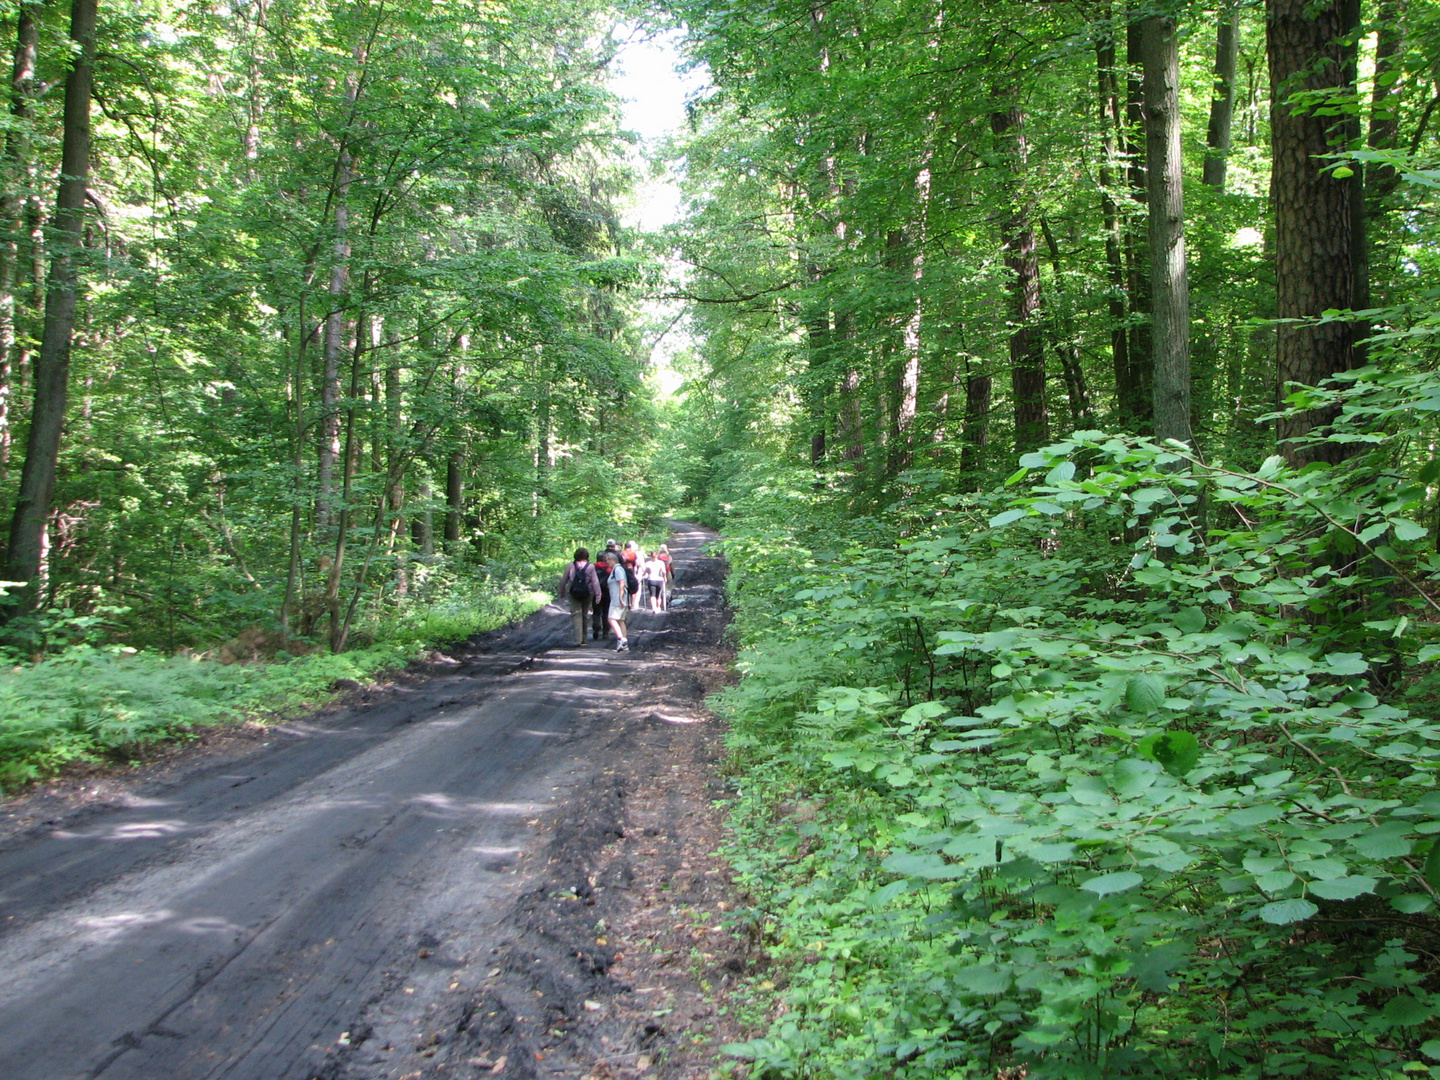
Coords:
pixel 581 588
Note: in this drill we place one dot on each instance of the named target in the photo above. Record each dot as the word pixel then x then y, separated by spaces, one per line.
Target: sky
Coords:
pixel 654 95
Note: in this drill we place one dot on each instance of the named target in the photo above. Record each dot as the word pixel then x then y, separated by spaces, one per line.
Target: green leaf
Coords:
pixel 1177 752
pixel 1006 518
pixel 1405 1011
pixel 1341 888
pixel 1144 693
pixel 1432 866
pixel 1389 841
pixel 984 979
pixel 1190 620
pixel 1431 1049
pixel 1118 882
pixel 1284 912
pixel 1408 530
pixel 1346 664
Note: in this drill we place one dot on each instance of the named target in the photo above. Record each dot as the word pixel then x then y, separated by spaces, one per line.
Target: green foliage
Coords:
pixel 1110 777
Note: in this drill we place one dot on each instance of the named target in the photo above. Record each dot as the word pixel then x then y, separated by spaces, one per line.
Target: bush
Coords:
pixel 1081 783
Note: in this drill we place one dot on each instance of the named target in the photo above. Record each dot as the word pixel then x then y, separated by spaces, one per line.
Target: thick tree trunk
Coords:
pixel 1165 190
pixel 1316 245
pixel 52 368
pixel 1222 102
pixel 1017 238
pixel 12 212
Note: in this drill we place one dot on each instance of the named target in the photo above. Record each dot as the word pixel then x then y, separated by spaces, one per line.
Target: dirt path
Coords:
pixel 503 869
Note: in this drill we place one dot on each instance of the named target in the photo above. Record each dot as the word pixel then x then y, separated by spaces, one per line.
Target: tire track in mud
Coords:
pixel 411 888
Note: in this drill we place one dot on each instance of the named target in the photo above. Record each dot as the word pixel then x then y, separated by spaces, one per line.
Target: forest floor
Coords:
pixel 501 865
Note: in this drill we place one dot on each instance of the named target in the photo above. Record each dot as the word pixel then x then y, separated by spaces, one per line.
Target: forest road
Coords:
pixel 412 886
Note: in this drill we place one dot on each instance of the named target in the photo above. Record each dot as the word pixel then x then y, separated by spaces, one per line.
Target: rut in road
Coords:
pixel 410 888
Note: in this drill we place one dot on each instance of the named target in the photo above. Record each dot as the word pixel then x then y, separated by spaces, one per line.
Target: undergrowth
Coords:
pixel 1124 770
pixel 90 702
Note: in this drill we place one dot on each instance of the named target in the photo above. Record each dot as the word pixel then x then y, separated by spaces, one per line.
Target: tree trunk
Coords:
pixel 1017 238
pixel 12 211
pixel 1222 102
pixel 1381 180
pixel 1165 191
pixel 1316 247
pixel 1111 126
pixel 975 434
pixel 52 368
pixel 1137 255
pixel 334 346
pixel 454 500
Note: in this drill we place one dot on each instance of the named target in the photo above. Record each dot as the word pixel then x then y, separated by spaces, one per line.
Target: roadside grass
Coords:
pixel 89 703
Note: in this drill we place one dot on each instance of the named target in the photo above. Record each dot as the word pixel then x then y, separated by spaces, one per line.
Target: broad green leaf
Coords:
pixel 1341 888
pixel 1118 882
pixel 1408 530
pixel 1346 664
pixel 1405 1011
pixel 1144 693
pixel 1177 752
pixel 1190 620
pixel 1389 841
pixel 1006 517
pixel 1284 912
pixel 1432 866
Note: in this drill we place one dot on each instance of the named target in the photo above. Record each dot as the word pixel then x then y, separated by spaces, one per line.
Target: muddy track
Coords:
pixel 418 885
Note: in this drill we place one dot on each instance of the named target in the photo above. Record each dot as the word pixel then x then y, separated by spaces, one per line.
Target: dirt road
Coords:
pixel 416 886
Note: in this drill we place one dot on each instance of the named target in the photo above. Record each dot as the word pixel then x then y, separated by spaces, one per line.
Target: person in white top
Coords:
pixel 654 578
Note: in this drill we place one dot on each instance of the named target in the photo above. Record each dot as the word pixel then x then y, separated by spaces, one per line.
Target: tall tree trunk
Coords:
pixel 1111 127
pixel 1137 254
pixel 1165 190
pixel 975 434
pixel 12 199
pixel 1222 101
pixel 454 501
pixel 52 368
pixel 1065 341
pixel 1017 238
pixel 1316 246
pixel 1381 180
pixel 334 345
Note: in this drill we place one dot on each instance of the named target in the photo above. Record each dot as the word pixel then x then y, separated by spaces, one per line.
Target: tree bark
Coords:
pixel 454 500
pixel 1316 245
pixel 1111 125
pixel 1165 198
pixel 12 211
pixel 1381 180
pixel 52 368
pixel 1137 255
pixel 1222 102
pixel 1017 238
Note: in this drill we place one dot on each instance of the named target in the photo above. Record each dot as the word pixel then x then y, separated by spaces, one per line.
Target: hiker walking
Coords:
pixel 581 588
pixel 663 555
pixel 619 600
pixel 654 575
pixel 630 560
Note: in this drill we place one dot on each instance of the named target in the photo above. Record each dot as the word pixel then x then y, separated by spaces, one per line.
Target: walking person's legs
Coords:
pixel 617 627
pixel 579 611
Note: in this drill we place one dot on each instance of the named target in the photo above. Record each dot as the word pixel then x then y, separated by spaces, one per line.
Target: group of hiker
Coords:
pixel 604 592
